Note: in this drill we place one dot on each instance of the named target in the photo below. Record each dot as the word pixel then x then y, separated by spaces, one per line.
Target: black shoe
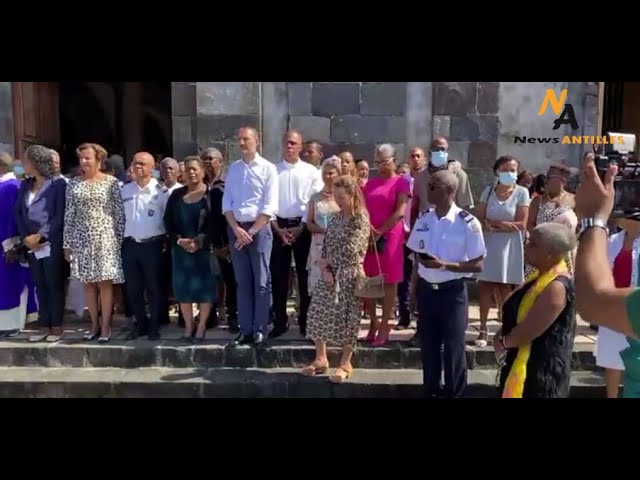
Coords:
pixel 276 332
pixel 259 340
pixel 242 339
pixel 414 341
pixel 233 326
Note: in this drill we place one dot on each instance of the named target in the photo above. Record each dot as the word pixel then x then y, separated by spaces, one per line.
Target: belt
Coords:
pixel 157 238
pixel 444 285
pixel 289 222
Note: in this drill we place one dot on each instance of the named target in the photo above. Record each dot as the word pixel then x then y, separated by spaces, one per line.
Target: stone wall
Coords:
pixel 6 119
pixel 480 119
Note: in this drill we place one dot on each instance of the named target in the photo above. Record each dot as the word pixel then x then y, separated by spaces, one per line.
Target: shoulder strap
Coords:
pixel 466 216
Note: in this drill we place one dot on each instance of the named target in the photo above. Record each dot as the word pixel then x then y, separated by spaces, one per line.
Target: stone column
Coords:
pixel 221 109
pixel 132 119
pixel 7 137
pixel 183 119
pixel 419 115
pixel 275 118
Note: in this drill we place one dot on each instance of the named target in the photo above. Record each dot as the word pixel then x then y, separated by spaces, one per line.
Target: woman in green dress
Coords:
pixel 191 228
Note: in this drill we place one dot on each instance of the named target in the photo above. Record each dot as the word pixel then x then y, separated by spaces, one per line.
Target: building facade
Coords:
pixel 480 119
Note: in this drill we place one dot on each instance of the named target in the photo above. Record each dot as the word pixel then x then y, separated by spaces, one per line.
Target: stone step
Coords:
pixel 171 354
pixel 20 382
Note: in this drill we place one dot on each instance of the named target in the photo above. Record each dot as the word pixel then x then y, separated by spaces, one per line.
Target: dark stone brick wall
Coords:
pixel 350 116
pixel 6 119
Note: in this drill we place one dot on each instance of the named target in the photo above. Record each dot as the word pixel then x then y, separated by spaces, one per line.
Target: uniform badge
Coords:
pixel 151 213
pixel 421 244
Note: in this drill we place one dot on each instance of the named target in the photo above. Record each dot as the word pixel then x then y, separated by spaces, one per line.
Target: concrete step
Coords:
pixel 213 354
pixel 23 382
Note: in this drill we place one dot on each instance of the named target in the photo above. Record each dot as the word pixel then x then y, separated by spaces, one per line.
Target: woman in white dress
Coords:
pixel 623 249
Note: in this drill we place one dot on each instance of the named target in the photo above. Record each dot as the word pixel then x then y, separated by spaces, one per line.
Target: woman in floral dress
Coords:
pixel 334 313
pixel 321 206
pixel 93 229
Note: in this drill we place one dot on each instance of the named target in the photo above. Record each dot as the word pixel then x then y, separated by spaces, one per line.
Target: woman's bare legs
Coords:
pixel 371 307
pixel 187 315
pixel 91 299
pixel 321 362
pixel 485 298
pixel 612 379
pixel 388 309
pixel 106 307
pixel 205 310
pixel 345 368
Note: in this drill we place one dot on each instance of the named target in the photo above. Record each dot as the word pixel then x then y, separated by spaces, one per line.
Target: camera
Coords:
pixel 620 149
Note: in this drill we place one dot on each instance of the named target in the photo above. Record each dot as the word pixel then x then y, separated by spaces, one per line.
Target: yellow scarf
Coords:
pixel 514 386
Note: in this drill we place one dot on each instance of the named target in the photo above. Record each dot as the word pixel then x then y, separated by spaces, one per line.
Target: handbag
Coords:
pixel 371 287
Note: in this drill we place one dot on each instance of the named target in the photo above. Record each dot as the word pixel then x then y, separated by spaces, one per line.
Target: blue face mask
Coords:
pixel 18 171
pixel 439 158
pixel 508 178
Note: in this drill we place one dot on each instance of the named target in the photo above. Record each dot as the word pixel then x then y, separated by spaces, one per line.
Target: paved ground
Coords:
pixel 75 328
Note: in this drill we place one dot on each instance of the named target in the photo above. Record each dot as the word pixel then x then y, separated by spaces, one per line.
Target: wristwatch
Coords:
pixel 591 222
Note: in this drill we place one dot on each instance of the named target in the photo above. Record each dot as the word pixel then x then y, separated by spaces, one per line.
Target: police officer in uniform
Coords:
pixel 144 240
pixel 448 246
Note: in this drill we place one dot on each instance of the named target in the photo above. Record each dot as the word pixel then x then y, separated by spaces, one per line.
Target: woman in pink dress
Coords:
pixel 386 197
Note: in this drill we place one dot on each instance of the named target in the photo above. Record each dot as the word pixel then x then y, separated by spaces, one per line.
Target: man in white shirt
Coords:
pixel 449 246
pixel 250 203
pixel 297 182
pixel 143 244
pixel 169 170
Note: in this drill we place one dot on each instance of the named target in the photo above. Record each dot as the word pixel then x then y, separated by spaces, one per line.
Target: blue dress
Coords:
pixel 193 279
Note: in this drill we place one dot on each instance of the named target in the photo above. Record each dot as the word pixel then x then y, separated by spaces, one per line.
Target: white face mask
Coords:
pixel 508 178
pixel 439 158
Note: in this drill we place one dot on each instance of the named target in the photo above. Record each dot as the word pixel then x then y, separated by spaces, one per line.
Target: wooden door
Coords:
pixel 36 116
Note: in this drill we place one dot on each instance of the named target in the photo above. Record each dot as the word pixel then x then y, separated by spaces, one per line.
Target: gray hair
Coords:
pixel 212 152
pixel 42 160
pixel 386 148
pixel 556 238
pixel 447 178
pixel 169 162
pixel 6 162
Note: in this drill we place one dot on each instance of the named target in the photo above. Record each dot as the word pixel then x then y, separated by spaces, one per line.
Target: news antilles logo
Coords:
pixel 565 116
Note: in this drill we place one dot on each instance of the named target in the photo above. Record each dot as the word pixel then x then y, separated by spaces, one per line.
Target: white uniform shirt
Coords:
pixel 251 190
pixel 144 210
pixel 297 182
pixel 456 237
pixel 169 190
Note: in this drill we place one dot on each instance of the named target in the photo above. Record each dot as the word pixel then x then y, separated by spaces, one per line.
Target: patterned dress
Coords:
pixel 334 313
pixel 548 212
pixel 93 229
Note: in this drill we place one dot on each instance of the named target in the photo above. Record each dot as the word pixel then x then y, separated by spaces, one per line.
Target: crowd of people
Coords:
pixel 229 238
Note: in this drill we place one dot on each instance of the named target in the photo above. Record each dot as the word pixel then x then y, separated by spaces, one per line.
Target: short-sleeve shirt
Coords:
pixel 456 237
pixel 504 211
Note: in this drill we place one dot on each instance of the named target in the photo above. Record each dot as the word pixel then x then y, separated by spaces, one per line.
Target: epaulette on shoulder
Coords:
pixel 466 216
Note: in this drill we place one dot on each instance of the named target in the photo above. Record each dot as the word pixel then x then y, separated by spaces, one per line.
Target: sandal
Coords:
pixel 340 375
pixel 482 342
pixel 315 369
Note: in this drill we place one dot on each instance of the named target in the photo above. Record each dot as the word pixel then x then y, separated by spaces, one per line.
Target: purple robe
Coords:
pixel 13 276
